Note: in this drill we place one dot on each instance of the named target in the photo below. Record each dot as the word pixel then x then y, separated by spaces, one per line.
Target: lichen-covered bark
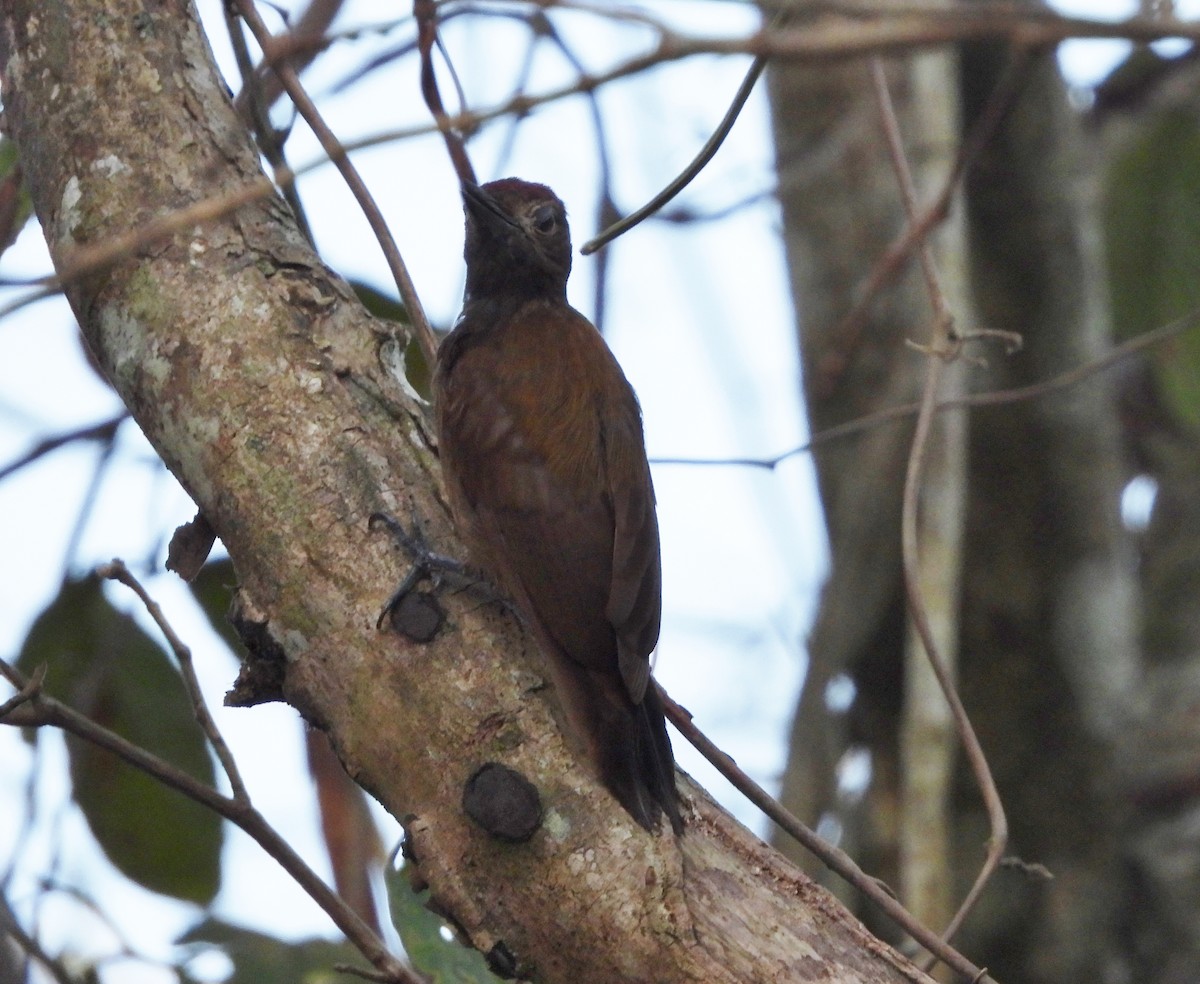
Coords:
pixel 268 392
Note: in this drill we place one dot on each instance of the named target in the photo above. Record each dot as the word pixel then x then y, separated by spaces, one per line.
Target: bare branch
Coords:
pixel 305 39
pixel 39 710
pixel 427 33
pixel 836 859
pixel 697 164
pixel 944 346
pixel 117 571
pixel 102 431
pixel 341 160
pixel 254 105
pixel 10 926
pixel 888 31
pixel 30 689
pixel 893 260
pixel 1046 387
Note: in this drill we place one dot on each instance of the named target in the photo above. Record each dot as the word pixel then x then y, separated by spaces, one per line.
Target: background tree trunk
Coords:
pixel 1076 696
pixel 839 221
pixel 1050 598
pixel 1145 131
pixel 841 209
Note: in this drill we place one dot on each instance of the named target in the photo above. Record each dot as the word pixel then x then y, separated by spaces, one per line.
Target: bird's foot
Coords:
pixel 410 610
pixel 438 567
pixel 406 602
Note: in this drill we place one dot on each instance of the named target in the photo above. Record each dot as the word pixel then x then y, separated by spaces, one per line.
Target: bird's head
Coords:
pixel 517 240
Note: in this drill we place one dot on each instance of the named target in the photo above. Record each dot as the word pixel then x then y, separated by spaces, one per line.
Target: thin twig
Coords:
pixel 819 41
pixel 116 570
pixel 305 39
pixel 537 22
pixel 83 260
pixel 1046 387
pixel 20 843
pixel 11 927
pixel 915 231
pixel 42 710
pixel 830 39
pixel 90 494
pixel 683 215
pixel 253 106
pixel 908 192
pixel 427 34
pixel 699 162
pixel 31 689
pixel 541 26
pixel 944 343
pixel 605 207
pixel 836 859
pixel 365 973
pixel 95 257
pixel 102 431
pixel 337 153
pixel 48 885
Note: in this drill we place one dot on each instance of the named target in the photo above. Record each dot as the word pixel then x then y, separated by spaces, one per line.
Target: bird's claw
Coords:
pixel 426 564
pixel 414 577
pixel 437 568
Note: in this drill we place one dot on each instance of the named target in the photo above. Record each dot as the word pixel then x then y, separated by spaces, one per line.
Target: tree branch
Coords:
pixel 117 571
pixel 38 710
pixel 945 345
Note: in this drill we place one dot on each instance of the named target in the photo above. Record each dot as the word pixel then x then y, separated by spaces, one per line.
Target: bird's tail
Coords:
pixel 627 742
pixel 656 760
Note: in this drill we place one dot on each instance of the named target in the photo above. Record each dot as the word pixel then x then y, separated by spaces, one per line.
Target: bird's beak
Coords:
pixel 484 208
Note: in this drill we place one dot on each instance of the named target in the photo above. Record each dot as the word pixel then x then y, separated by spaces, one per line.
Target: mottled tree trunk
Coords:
pixel 1050 662
pixel 842 209
pixel 1050 599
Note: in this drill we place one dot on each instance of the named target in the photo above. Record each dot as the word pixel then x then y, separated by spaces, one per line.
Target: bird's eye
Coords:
pixel 545 220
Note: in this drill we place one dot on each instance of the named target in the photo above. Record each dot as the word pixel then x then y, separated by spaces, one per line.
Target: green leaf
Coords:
pixel 261 959
pixel 1152 240
pixel 416 368
pixel 380 304
pixel 101 663
pixel 16 206
pixel 443 961
pixel 213 590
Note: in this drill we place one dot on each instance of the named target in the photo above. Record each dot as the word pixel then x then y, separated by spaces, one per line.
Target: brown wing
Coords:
pixel 635 592
pixel 549 480
pixel 542 450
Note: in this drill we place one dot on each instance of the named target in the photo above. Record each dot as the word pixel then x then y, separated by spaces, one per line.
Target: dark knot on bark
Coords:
pixel 503 802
